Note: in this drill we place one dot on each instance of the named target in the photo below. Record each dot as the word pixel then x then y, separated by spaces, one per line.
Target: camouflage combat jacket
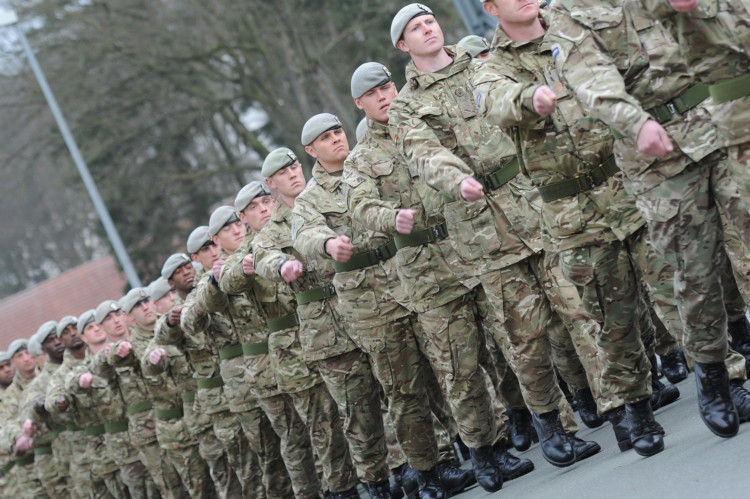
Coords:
pixel 169 379
pixel 212 301
pixel 193 335
pixel 566 145
pixel 283 368
pixel 715 39
pixel 379 185
pixel 13 419
pixel 436 124
pixel 367 297
pixel 321 333
pixel 621 65
pixel 135 388
pixel 36 391
pixel 56 389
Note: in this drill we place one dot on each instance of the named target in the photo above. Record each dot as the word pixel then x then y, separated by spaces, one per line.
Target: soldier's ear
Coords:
pixel 401 45
pixel 311 151
pixel 358 103
pixel 490 8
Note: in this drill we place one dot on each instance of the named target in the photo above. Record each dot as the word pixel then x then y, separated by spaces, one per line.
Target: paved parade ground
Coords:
pixel 695 463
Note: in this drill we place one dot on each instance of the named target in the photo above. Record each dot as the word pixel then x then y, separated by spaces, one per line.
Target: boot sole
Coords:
pixel 651 452
pixel 560 464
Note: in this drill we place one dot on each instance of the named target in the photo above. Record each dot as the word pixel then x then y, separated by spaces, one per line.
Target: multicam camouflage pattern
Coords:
pixel 436 124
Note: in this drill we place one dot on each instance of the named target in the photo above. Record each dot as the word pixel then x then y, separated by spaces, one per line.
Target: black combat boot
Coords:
pixel 487 472
pixel 583 448
pixel 741 399
pixel 463 451
pixel 715 403
pixel 556 446
pixel 510 466
pixel 347 494
pixel 645 433
pixel 519 428
pixel 587 408
pixel 380 490
pixel 429 485
pixel 673 367
pixel 397 490
pixel 409 481
pixel 661 394
pixel 739 336
pixel 453 478
pixel 619 420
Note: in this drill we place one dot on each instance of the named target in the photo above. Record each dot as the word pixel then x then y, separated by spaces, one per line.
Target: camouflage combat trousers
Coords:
pixel 263 427
pixel 193 471
pixel 28 484
pixel 51 473
pixel 162 471
pixel 397 363
pixel 685 231
pixel 242 460
pixel 356 393
pixel 212 451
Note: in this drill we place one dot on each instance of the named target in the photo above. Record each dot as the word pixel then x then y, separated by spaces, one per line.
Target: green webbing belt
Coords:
pixel 316 294
pixel 42 450
pixel 55 434
pixel 25 460
pixel 501 176
pixel 259 348
pixel 283 322
pixel 8 466
pixel 214 382
pixel 116 427
pixel 686 101
pixel 139 407
pixel 72 427
pixel 94 431
pixel 188 397
pixel 580 183
pixel 368 258
pixel 730 89
pixel 420 237
pixel 173 413
pixel 230 352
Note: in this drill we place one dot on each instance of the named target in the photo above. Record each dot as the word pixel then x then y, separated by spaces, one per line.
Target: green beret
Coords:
pixel 474 44
pixel 276 160
pixel 361 129
pixel 248 193
pixel 85 319
pixel 4 357
pixel 223 215
pixel 35 345
pixel 104 309
pixel 16 346
pixel 46 330
pixel 133 298
pixel 158 288
pixel 402 18
pixel 68 320
pixel 317 125
pixel 173 263
pixel 368 76
pixel 197 239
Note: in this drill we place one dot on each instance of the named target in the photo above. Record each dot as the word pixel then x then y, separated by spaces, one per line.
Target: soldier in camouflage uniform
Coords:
pixel 70 445
pixel 206 407
pixel 51 472
pixel 308 336
pixel 7 477
pixel 253 299
pixel 636 96
pixel 369 300
pixel 15 436
pixel 436 125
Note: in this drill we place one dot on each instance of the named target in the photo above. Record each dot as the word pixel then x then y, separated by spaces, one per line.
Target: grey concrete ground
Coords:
pixel 695 463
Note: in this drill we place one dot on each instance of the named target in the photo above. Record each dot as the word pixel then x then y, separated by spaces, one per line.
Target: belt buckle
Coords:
pixel 671 108
pixel 435 232
pixel 330 290
pixel 378 254
pixel 588 178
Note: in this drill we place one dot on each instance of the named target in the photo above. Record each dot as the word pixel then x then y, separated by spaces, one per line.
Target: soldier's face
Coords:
pixel 258 212
pixel 70 337
pixel 230 236
pixel 144 314
pixel 164 304
pixel 422 36
pixel 289 181
pixel 114 325
pixel 183 278
pixel 513 12
pixel 53 347
pixel 330 148
pixel 206 256
pixel 6 373
pixel 23 362
pixel 93 334
pixel 375 102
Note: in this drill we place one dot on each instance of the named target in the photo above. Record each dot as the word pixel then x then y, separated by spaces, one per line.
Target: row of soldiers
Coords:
pixel 564 203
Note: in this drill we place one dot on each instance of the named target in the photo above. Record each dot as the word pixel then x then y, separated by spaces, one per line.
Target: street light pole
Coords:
pixel 101 208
